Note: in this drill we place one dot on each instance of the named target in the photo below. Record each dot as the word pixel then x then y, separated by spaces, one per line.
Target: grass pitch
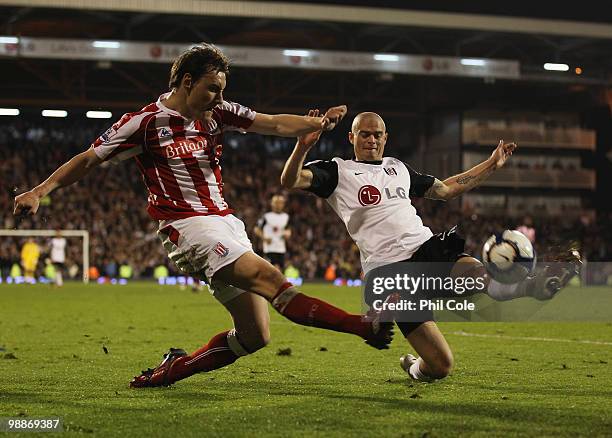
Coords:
pixel 511 379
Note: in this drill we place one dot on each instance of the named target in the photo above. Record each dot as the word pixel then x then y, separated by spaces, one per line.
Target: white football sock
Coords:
pixel 416 373
pixel 504 292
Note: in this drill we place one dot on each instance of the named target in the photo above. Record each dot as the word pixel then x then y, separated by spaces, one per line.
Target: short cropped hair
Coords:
pixel 198 61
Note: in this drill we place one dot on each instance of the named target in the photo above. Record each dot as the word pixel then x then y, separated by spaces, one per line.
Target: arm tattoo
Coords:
pixel 466 179
pixel 434 191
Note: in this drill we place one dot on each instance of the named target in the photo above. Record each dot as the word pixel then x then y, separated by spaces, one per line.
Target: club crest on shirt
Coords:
pixel 221 250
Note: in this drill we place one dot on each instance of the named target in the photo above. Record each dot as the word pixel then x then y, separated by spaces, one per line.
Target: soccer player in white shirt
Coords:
pixel 58 256
pixel 177 143
pixel 371 194
pixel 273 230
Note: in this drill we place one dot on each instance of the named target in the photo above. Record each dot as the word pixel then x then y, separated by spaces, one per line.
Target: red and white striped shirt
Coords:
pixel 179 158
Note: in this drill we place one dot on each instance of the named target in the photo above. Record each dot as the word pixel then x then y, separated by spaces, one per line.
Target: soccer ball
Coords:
pixel 508 257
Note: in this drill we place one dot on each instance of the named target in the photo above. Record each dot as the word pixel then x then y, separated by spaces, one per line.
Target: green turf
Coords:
pixel 503 385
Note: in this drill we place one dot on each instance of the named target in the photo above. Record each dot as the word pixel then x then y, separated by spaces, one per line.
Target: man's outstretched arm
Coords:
pixel 461 183
pixel 70 172
pixel 289 125
pixel 294 175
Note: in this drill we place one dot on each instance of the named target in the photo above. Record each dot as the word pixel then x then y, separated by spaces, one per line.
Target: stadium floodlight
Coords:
pixel 386 57
pixel 8 40
pixel 556 67
pixel 106 44
pixel 54 113
pixel 473 61
pixel 98 114
pixel 9 112
pixel 300 53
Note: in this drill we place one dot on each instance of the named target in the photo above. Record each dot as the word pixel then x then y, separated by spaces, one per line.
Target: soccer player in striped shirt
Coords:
pixel 177 143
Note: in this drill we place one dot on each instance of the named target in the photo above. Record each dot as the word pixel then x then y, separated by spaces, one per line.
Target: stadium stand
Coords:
pixel 111 203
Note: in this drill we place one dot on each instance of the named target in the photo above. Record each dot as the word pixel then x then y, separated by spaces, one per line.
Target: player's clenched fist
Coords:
pixel 27 202
pixel 310 139
pixel 333 116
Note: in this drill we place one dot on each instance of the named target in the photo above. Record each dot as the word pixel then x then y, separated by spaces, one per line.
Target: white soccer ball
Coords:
pixel 509 257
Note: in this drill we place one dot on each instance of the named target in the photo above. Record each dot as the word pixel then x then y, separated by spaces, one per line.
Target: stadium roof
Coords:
pixel 468 29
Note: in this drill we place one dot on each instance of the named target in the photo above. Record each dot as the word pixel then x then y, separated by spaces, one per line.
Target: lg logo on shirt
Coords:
pixel 370 195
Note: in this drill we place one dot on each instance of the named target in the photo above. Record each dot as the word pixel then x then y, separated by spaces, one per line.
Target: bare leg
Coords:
pixel 436 357
pixel 253 273
pixel 251 320
pixel 251 333
pixel 543 284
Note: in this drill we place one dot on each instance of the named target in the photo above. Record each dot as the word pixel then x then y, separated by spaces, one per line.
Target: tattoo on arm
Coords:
pixel 436 191
pixel 465 179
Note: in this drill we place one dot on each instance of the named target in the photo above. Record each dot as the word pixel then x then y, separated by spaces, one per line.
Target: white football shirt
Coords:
pixel 273 226
pixel 58 250
pixel 372 199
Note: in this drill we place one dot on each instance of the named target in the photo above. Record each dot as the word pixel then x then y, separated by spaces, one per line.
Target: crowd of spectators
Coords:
pixel 110 202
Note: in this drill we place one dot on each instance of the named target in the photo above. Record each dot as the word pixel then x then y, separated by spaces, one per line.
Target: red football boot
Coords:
pixel 158 376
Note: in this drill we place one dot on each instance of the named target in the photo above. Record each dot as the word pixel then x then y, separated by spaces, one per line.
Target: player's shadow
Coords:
pixel 574 392
pixel 511 411
pixel 17 396
pixel 199 395
pixel 114 400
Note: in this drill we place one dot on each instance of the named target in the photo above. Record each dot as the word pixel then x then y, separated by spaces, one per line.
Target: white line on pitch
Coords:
pixel 529 338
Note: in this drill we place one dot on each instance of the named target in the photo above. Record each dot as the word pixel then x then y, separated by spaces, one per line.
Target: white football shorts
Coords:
pixel 203 245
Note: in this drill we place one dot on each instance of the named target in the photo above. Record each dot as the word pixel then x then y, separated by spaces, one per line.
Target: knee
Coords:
pixel 442 365
pixel 267 280
pixel 268 274
pixel 255 339
pixel 261 339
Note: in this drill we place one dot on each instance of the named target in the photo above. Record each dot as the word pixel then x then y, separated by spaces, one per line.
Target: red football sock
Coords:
pixel 310 311
pixel 215 354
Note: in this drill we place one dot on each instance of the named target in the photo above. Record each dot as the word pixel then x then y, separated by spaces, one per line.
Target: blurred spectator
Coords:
pixel 291 271
pixel 126 271
pixel 15 271
pixel 93 273
pixel 160 271
pixel 5 263
pixel 527 229
pixel 330 273
pixel 110 268
pixel 50 270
